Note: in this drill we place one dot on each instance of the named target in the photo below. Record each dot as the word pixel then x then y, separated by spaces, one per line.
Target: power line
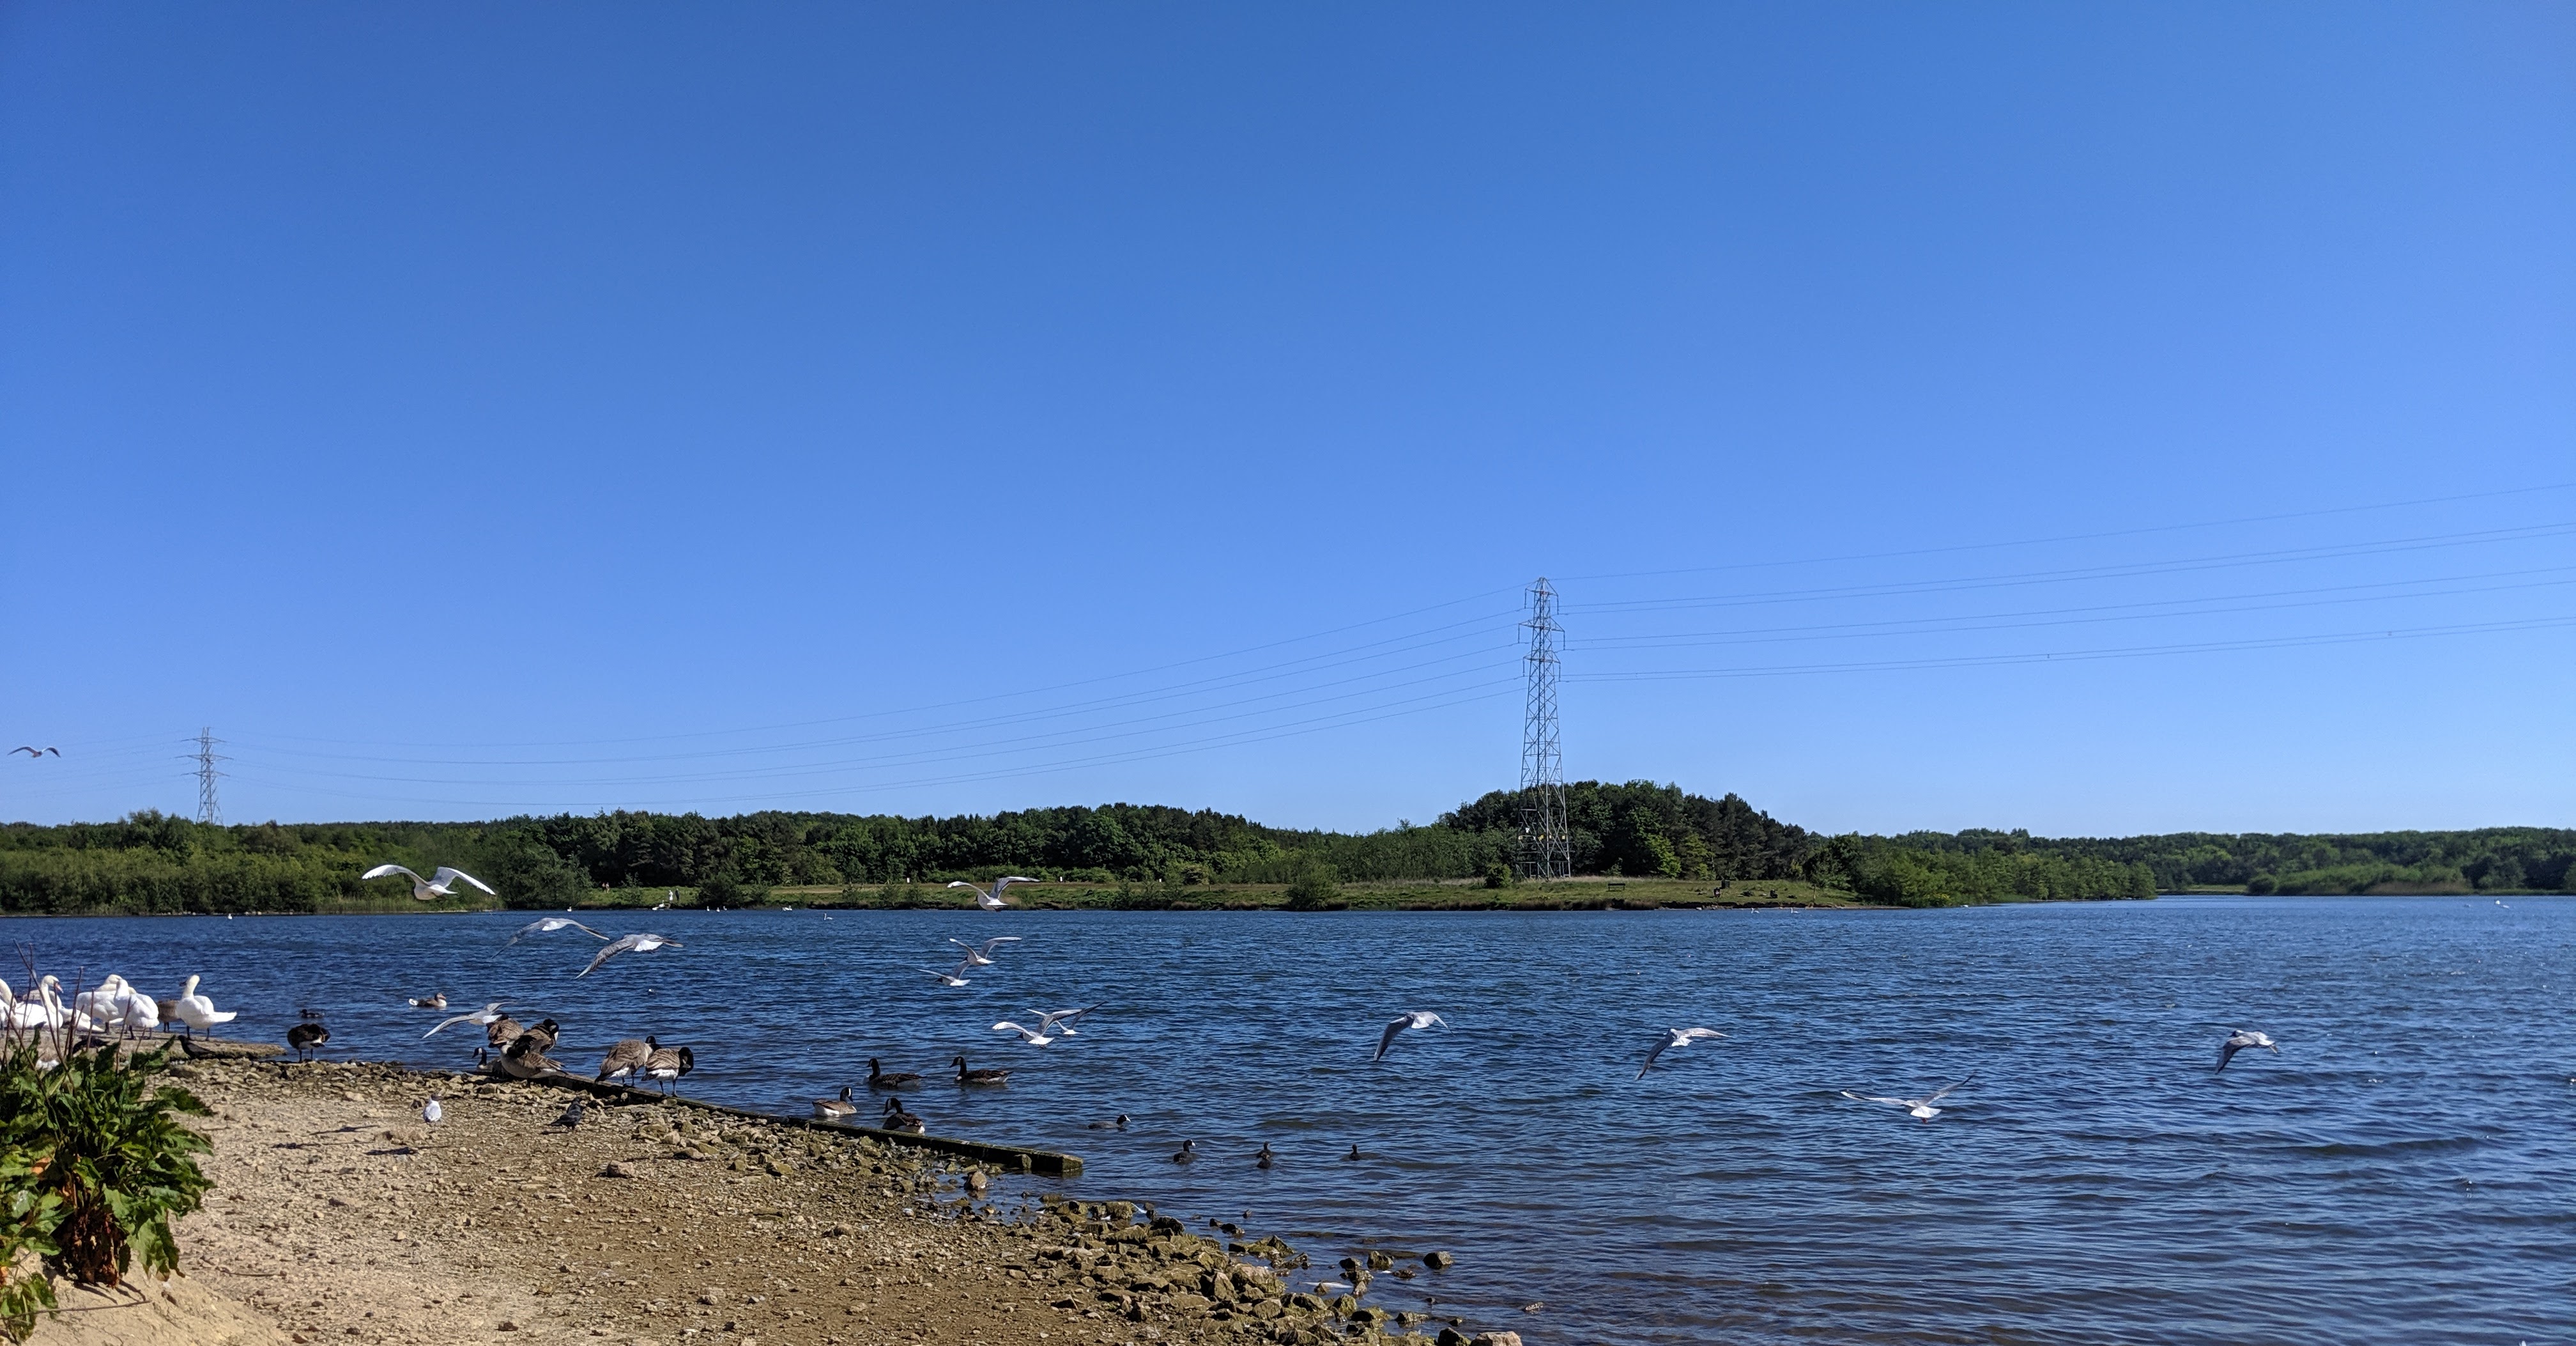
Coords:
pixel 208 811
pixel 1546 848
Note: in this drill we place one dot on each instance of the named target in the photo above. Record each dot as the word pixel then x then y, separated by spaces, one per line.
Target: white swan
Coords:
pixel 990 899
pixel 1401 1022
pixel 983 957
pixel 1919 1108
pixel 1675 1037
pixel 198 1011
pixel 432 888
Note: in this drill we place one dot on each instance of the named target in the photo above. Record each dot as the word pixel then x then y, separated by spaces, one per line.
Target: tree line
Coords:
pixel 152 862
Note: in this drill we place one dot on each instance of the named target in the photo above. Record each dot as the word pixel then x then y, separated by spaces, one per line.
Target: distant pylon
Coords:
pixel 1547 849
pixel 208 812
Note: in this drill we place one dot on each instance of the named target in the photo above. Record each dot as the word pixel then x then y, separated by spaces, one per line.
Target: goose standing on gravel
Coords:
pixel 896 1119
pixel 667 1064
pixel 626 1056
pixel 980 1078
pixel 1920 1109
pixel 837 1109
pixel 550 925
pixel 991 899
pixel 1675 1037
pixel 199 1012
pixel 500 1031
pixel 483 1016
pixel 307 1038
pixel 2240 1040
pixel 1031 1036
pixel 1401 1022
pixel 430 889
pixel 879 1079
pixel 983 956
pixel 628 944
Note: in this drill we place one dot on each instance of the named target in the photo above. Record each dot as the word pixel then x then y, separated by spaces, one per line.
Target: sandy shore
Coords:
pixel 338 1215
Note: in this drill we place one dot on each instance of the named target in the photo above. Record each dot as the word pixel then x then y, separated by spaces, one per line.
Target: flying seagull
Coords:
pixel 34 753
pixel 550 925
pixel 1675 1037
pixel 955 976
pixel 627 944
pixel 1401 1022
pixel 990 899
pixel 1060 1023
pixel 1035 1037
pixel 983 957
pixel 432 888
pixel 2240 1040
pixel 1915 1107
pixel 483 1016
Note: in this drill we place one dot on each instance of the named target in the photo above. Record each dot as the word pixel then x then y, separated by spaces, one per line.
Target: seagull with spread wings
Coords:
pixel 550 925
pixel 955 976
pixel 430 889
pixel 1401 1022
pixel 983 957
pixel 990 899
pixel 1060 1023
pixel 628 944
pixel 483 1017
pixel 1919 1108
pixel 34 753
pixel 1675 1037
pixel 2241 1039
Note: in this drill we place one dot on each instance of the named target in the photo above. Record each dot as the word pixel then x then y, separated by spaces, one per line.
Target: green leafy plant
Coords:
pixel 29 1210
pixel 1314 889
pixel 95 1160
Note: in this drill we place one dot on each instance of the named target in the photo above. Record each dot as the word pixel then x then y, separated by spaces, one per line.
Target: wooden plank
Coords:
pixel 1043 1163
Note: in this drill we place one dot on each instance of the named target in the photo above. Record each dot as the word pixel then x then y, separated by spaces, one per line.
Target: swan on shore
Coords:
pixel 199 1012
pixel 430 889
pixel 991 899
pixel 628 944
pixel 1401 1022
pixel 2240 1040
pixel 1919 1108
pixel 1675 1037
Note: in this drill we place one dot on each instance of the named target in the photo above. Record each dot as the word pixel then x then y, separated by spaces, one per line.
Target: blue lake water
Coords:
pixel 2405 1171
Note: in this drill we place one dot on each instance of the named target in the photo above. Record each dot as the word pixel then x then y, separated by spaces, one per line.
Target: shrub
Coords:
pixel 1498 875
pixel 94 1165
pixel 1313 889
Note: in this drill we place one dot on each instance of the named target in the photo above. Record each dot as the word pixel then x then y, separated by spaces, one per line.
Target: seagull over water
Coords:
pixel 2240 1040
pixel 955 976
pixel 983 957
pixel 1675 1037
pixel 483 1017
pixel 1401 1022
pixel 1035 1037
pixel 1060 1023
pixel 550 925
pixel 990 899
pixel 1920 1108
pixel 432 888
pixel 628 944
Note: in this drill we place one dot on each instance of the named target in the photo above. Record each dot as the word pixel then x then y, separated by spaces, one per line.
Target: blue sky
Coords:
pixel 2094 419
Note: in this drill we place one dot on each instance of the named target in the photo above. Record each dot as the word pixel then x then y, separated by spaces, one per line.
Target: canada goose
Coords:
pixel 1354 1154
pixel 500 1031
pixel 1265 1158
pixel 430 889
pixel 305 1038
pixel 1117 1123
pixel 835 1109
pixel 1186 1154
pixel 879 1079
pixel 896 1119
pixel 668 1064
pixel 626 1056
pixel 169 1013
pixel 545 1031
pixel 526 1057
pixel 967 1077
pixel 434 1001
pixel 627 944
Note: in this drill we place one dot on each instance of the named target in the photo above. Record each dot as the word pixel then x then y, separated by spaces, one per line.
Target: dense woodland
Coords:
pixel 153 862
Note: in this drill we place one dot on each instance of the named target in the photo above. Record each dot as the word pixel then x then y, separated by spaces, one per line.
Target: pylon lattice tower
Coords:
pixel 208 811
pixel 1547 848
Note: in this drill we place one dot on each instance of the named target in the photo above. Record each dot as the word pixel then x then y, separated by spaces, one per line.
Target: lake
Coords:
pixel 2404 1171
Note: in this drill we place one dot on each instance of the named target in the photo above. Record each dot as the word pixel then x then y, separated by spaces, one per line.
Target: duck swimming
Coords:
pixel 879 1079
pixel 983 1078
pixel 896 1119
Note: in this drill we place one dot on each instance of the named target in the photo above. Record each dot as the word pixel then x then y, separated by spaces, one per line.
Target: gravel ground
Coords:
pixel 341 1216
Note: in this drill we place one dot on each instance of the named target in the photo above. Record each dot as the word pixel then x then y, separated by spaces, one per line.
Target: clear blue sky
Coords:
pixel 476 409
